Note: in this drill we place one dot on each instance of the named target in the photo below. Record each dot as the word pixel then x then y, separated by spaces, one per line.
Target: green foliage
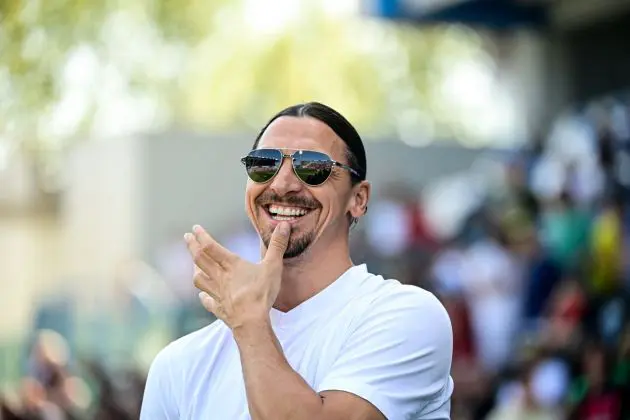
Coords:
pixel 226 75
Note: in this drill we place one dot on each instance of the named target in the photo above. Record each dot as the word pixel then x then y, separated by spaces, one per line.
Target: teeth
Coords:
pixel 287 211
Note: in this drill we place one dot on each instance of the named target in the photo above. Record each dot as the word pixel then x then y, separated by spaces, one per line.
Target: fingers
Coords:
pixel 200 257
pixel 204 282
pixel 208 302
pixel 278 243
pixel 194 247
pixel 210 247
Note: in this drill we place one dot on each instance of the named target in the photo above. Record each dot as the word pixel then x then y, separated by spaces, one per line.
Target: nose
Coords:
pixel 285 181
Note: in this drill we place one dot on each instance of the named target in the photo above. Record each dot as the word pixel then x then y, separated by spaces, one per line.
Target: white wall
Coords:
pixel 100 209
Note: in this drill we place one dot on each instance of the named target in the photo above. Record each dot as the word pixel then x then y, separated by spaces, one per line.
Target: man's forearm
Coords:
pixel 274 390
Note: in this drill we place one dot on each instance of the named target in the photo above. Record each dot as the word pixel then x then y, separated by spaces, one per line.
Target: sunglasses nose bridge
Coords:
pixel 285 162
pixel 286 181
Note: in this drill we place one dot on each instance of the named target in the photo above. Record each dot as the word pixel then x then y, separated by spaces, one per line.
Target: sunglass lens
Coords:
pixel 262 164
pixel 312 167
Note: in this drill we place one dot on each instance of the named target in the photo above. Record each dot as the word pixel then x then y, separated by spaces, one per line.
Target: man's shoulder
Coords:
pixel 184 349
pixel 400 338
pixel 390 294
pixel 403 306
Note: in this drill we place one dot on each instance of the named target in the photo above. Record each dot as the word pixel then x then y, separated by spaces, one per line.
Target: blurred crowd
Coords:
pixel 536 277
pixel 51 389
pixel 536 280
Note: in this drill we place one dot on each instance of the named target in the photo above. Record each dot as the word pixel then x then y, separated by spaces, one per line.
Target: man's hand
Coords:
pixel 233 289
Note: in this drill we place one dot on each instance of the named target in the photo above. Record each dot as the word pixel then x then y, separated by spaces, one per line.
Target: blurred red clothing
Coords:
pixel 419 231
pixel 463 344
pixel 605 406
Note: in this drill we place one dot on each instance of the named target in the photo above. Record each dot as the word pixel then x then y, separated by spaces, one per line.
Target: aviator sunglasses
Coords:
pixel 312 168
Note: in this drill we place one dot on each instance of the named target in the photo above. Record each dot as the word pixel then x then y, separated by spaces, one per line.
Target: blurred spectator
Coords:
pixel 492 283
pixel 519 195
pixel 387 228
pixel 533 395
pixel 565 313
pixel 541 277
pixel 607 316
pixel 593 395
pixel 564 231
pixel 606 249
pixel 447 278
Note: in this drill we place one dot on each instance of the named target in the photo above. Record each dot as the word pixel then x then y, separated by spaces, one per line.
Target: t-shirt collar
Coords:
pixel 326 300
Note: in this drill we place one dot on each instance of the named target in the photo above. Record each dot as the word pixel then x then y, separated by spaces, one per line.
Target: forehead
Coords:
pixel 302 133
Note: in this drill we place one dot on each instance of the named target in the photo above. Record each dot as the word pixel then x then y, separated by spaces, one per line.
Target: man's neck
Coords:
pixel 307 276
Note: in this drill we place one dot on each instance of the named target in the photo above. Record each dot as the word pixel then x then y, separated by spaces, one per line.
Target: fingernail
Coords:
pixel 196 228
pixel 188 236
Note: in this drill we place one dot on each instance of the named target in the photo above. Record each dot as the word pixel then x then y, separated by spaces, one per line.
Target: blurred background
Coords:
pixel 498 140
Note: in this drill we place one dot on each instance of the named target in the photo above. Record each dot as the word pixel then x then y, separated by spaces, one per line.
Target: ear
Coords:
pixel 358 203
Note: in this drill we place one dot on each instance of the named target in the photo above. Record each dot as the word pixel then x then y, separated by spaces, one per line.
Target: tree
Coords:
pixel 73 69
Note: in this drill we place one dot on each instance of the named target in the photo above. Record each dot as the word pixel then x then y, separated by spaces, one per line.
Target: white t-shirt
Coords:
pixel 388 343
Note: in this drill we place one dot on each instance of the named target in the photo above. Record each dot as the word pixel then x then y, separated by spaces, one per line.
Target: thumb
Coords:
pixel 279 242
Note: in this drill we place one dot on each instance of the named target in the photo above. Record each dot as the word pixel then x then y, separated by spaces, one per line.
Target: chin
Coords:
pixel 298 246
pixel 294 254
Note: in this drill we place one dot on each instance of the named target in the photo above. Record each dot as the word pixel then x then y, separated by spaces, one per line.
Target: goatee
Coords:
pixel 297 245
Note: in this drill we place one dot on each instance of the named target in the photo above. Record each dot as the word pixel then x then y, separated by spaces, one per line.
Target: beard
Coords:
pixel 297 244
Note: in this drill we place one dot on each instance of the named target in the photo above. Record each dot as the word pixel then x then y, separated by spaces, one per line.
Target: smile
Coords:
pixel 288 213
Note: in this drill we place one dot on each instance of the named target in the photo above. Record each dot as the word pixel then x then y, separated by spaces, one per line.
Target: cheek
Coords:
pixel 251 193
pixel 334 208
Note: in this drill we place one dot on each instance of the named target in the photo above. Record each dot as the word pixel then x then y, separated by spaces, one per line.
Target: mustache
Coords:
pixel 290 200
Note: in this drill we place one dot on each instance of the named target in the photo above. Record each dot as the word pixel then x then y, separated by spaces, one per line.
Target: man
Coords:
pixel 304 334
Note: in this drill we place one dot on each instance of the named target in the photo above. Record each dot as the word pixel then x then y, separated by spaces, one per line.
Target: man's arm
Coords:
pixel 394 365
pixel 241 294
pixel 276 392
pixel 398 358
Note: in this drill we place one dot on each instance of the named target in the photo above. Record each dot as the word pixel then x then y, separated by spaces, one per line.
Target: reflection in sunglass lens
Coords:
pixel 312 167
pixel 262 164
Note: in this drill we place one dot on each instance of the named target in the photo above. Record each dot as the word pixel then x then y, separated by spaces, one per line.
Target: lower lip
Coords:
pixel 275 222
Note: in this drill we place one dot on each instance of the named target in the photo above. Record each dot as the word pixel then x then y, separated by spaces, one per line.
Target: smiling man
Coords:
pixel 304 334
